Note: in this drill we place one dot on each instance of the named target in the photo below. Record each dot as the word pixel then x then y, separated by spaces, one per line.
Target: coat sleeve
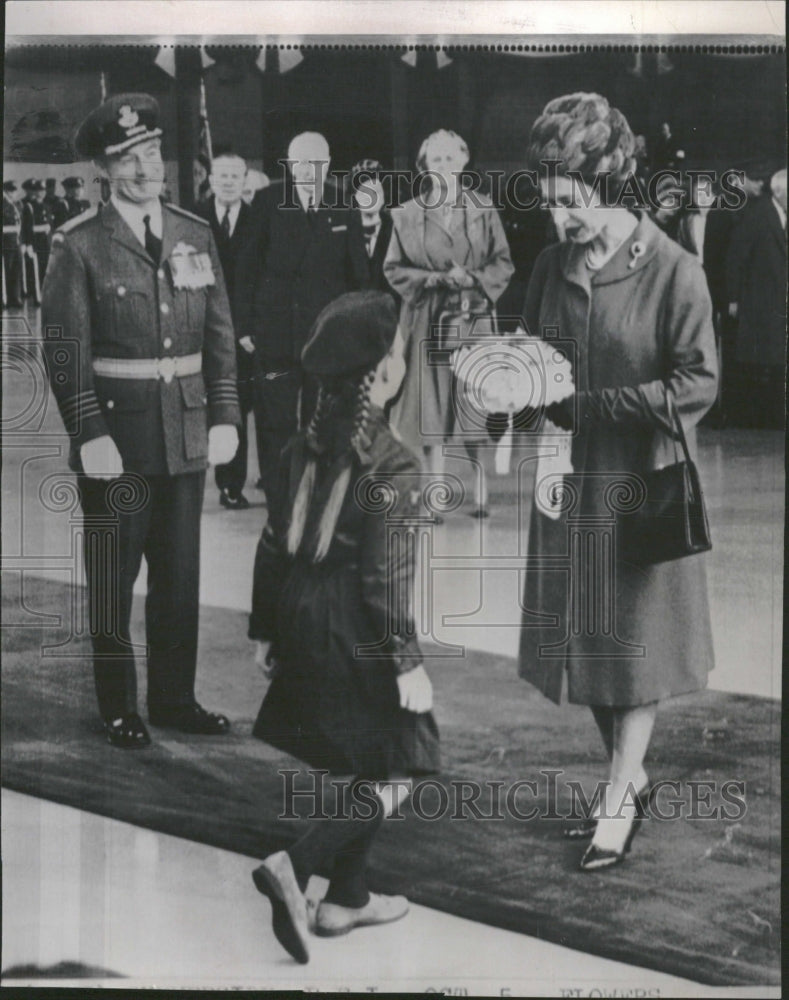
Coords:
pixel 219 350
pixel 495 273
pixel 66 326
pixel 249 270
pixel 271 559
pixel 388 558
pixel 691 362
pixel 406 279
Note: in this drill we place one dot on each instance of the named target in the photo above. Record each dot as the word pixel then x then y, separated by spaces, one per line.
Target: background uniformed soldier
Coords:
pixel 136 297
pixel 72 204
pixel 36 230
pixel 12 262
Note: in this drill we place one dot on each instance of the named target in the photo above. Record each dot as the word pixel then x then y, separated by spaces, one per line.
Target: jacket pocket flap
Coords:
pixel 193 391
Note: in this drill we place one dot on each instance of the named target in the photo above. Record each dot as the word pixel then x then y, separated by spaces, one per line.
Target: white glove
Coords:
pixel 416 691
pixel 222 444
pixel 248 344
pixel 101 458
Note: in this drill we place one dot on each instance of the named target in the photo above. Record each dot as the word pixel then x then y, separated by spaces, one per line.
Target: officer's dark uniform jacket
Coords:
pixel 36 226
pixel 105 296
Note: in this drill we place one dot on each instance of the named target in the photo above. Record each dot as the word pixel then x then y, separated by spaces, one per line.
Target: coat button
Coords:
pixel 110 403
pixel 121 291
pixel 168 342
pixel 165 308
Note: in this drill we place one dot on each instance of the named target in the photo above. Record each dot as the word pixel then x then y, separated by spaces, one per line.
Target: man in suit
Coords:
pixel 72 203
pixel 756 282
pixel 12 262
pixel 230 219
pixel 306 249
pixel 369 198
pixel 142 361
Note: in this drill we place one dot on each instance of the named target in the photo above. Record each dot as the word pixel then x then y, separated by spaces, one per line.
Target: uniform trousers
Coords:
pixel 12 264
pixel 277 397
pixel 125 519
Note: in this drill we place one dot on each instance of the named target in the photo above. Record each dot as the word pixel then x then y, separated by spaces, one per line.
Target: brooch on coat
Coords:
pixel 636 250
pixel 189 268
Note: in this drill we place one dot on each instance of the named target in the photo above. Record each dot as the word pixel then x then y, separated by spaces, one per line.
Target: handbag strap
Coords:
pixel 678 431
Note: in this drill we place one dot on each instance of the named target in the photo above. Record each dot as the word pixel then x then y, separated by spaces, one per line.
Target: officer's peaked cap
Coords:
pixel 352 334
pixel 122 121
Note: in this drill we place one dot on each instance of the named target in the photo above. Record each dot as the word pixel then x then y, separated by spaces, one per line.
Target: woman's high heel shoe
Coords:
pixel 595 858
pixel 586 829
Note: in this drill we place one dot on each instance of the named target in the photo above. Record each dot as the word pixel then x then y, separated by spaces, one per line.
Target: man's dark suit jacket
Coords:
pixel 294 264
pixel 228 249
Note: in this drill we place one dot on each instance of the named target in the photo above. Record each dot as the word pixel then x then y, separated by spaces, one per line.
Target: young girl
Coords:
pixel 332 595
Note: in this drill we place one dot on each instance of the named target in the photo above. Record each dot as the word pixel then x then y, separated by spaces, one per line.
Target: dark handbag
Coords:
pixel 671 523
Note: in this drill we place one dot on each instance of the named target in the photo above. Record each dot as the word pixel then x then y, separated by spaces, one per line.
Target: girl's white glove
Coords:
pixel 416 691
pixel 265 660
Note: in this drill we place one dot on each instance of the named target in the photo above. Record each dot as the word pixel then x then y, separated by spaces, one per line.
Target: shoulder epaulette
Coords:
pixel 189 215
pixel 78 220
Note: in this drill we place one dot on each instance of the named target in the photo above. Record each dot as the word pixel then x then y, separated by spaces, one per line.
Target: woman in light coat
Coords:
pixel 447 245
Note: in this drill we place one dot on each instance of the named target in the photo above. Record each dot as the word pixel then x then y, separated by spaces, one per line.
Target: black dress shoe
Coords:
pixel 127 732
pixel 190 719
pixel 480 513
pixel 585 830
pixel 233 501
pixel 596 858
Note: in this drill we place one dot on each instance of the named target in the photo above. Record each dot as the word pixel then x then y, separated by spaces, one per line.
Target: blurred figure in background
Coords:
pixel 36 230
pixel 230 219
pixel 449 260
pixel 666 153
pixel 369 198
pixel 12 261
pixel 756 281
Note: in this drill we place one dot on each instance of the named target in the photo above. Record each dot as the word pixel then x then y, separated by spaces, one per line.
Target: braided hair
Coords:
pixel 355 451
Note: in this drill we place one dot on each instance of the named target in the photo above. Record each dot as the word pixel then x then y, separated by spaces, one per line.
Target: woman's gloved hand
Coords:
pixel 266 661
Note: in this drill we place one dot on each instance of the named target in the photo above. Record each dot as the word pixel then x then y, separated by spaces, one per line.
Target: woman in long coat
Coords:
pixel 636 310
pixel 444 243
pixel 333 596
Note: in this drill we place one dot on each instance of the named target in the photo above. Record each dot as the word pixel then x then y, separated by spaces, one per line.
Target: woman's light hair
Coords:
pixel 582 133
pixel 442 133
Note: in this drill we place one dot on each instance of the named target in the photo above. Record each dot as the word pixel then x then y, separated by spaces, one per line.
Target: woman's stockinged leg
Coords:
pixel 632 732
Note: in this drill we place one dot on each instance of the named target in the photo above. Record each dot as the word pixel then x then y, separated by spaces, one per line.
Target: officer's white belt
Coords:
pixel 149 368
pixel 10 229
pixel 44 228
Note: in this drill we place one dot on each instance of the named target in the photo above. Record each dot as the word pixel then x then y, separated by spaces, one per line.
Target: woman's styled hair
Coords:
pixel 583 133
pixel 442 133
pixel 307 503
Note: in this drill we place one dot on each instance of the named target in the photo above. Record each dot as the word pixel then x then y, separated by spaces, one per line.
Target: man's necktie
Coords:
pixel 369 237
pixel 153 244
pixel 224 225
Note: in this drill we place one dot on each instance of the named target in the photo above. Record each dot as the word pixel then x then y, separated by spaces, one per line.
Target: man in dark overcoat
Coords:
pixel 35 234
pixel 306 250
pixel 141 358
pixel 230 219
pixel 756 282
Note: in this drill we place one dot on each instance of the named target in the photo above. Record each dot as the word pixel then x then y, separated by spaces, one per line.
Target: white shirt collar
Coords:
pixel 306 192
pixel 220 210
pixel 133 215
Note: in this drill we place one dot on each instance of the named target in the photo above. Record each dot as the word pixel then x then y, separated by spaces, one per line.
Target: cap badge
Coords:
pixel 127 118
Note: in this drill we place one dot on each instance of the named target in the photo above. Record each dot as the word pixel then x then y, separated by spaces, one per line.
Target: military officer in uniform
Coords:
pixel 51 198
pixel 142 361
pixel 36 230
pixel 12 262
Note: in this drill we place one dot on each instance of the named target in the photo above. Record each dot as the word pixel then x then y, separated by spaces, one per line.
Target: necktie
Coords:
pixel 369 237
pixel 224 225
pixel 153 244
